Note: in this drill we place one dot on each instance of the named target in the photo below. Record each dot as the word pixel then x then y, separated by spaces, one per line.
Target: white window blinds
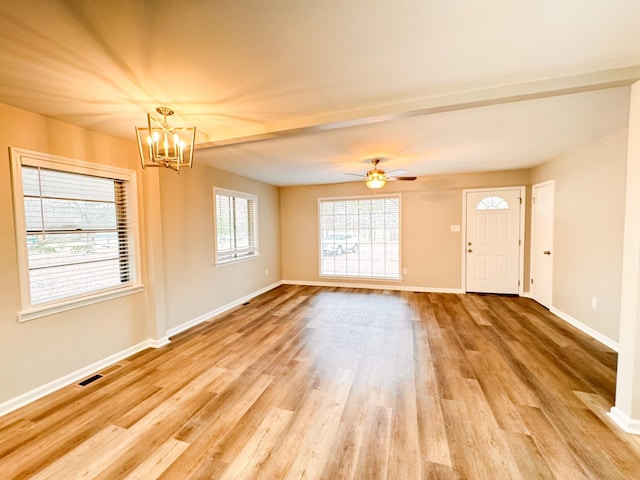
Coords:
pixel 236 225
pixel 77 232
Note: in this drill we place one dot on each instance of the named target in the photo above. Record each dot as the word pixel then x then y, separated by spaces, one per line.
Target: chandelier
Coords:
pixel 163 146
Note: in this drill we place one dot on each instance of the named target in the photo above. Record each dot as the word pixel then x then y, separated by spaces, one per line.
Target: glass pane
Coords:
pixel 391 205
pixel 30 181
pixel 64 281
pixel 326 208
pixel 242 239
pixel 223 223
pixel 492 203
pixel 364 208
pixel 339 208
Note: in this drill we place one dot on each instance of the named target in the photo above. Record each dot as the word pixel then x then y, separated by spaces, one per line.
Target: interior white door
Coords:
pixel 542 242
pixel 493 241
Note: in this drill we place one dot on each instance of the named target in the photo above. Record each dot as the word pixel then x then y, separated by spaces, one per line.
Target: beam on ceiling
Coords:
pixel 517 92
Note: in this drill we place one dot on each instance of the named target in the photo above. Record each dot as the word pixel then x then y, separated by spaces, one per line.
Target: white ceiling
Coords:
pixel 434 87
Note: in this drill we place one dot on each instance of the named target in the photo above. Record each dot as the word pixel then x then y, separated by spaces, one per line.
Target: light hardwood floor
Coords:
pixel 321 383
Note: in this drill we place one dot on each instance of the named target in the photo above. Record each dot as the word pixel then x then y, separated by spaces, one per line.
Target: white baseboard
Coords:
pixel 374 286
pixel 586 329
pixel 39 392
pixel 628 424
pixel 526 295
pixel 207 316
pixel 160 342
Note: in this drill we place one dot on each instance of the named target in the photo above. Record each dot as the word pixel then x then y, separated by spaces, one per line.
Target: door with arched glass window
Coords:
pixel 493 243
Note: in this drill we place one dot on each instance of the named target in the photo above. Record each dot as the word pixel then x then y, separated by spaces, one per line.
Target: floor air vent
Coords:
pixel 86 382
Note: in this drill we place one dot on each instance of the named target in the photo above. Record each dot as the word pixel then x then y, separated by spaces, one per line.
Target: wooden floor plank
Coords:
pixel 286 453
pixel 552 445
pixel 158 460
pixel 341 384
pixel 88 459
pixel 318 439
pixel 373 458
pixel 248 462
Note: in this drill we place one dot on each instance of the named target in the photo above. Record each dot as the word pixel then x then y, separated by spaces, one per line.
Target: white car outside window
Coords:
pixel 339 243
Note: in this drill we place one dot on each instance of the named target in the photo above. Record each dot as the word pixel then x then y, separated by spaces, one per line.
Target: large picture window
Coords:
pixel 74 227
pixel 236 225
pixel 360 237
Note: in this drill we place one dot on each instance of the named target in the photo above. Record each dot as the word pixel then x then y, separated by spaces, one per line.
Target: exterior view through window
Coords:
pixel 360 237
pixel 77 232
pixel 236 225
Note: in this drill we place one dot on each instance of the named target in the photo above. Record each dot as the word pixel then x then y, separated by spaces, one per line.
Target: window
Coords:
pixel 492 203
pixel 360 237
pixel 75 229
pixel 236 225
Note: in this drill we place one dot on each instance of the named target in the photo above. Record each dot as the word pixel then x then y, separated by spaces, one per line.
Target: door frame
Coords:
pixel 463 251
pixel 532 246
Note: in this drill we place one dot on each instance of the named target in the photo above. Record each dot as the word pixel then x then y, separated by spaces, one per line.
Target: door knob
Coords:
pixel 469 243
pixel 547 252
pixel 469 250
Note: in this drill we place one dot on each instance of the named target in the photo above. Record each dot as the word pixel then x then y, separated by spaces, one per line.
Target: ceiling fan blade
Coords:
pixel 391 179
pixel 356 175
pixel 396 172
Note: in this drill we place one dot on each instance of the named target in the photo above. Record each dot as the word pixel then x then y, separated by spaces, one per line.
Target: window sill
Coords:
pixel 46 310
pixel 361 277
pixel 237 260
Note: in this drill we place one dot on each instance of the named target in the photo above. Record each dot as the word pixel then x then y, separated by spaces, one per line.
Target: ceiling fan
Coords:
pixel 376 177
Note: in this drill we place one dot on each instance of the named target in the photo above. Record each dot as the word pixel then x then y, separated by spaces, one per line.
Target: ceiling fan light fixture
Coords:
pixel 376 178
pixel 375 181
pixel 163 146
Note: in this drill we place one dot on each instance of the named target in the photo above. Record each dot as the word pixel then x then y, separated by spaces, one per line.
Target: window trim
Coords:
pixel 20 157
pixel 256 226
pixel 397 279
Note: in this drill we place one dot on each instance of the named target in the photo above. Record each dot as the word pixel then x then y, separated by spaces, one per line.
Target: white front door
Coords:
pixel 542 242
pixel 493 240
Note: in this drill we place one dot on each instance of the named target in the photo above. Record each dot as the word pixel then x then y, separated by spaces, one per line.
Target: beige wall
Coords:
pixel 176 239
pixel 36 352
pixel 193 284
pixel 430 251
pixel 588 232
